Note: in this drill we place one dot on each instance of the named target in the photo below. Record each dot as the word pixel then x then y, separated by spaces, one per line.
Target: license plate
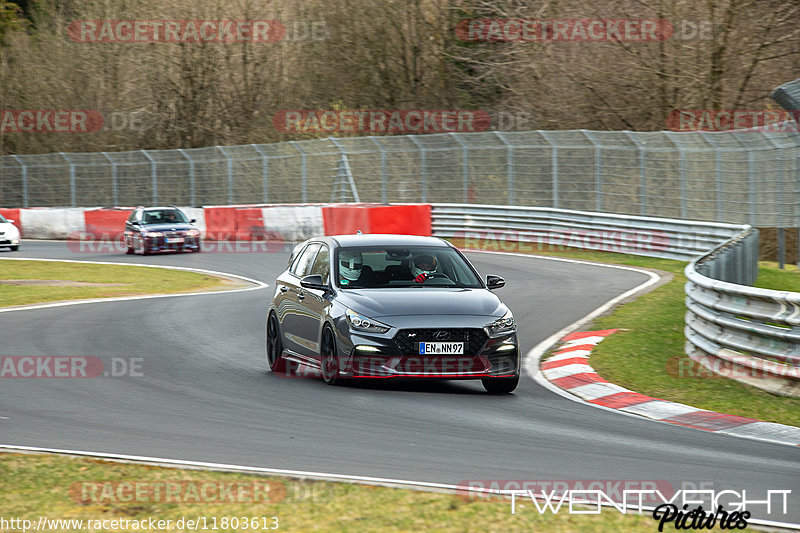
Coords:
pixel 174 240
pixel 441 348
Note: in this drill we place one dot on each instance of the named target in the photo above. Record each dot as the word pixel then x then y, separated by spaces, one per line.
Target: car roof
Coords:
pixel 382 239
pixel 159 208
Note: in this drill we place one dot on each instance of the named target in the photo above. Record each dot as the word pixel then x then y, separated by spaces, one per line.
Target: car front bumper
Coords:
pixel 392 355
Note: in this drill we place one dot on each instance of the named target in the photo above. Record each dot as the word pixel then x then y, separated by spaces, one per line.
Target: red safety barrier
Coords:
pixel 220 223
pixel 106 223
pixel 414 219
pixel 249 224
pixel 13 214
pixel 344 219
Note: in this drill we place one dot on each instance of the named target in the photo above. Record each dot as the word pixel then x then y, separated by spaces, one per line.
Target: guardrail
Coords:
pixel 744 333
pixel 508 227
pixel 741 332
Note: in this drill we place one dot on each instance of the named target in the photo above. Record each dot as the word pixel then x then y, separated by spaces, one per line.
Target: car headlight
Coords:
pixel 361 323
pixel 502 325
pixel 193 233
pixel 153 234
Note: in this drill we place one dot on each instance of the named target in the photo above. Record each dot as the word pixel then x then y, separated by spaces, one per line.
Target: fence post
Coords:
pixel 346 167
pixel 153 175
pixel 509 166
pixel 779 202
pixel 464 166
pixel 73 196
pixel 192 185
pixel 423 169
pixel 682 178
pixel 642 172
pixel 24 175
pixel 598 174
pixel 303 169
pixel 114 191
pixel 264 172
pixel 751 179
pixel 383 169
pixel 717 175
pixel 230 174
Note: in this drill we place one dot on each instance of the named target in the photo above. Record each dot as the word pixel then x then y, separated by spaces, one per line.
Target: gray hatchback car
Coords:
pixel 390 306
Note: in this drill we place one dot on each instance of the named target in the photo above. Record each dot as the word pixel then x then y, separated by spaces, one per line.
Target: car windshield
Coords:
pixel 163 216
pixel 376 267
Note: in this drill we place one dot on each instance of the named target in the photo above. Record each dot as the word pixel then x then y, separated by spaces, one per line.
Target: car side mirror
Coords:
pixel 494 282
pixel 314 281
pixel 134 223
pixel 193 221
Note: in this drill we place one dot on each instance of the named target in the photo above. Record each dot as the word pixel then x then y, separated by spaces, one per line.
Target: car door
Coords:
pixel 314 303
pixel 289 300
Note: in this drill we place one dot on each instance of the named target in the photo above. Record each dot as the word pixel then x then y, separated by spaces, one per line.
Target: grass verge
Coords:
pixel 647 356
pixel 86 489
pixel 113 281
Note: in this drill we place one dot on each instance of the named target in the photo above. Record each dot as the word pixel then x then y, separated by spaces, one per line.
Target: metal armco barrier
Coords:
pixel 737 331
pixel 506 228
pixel 744 333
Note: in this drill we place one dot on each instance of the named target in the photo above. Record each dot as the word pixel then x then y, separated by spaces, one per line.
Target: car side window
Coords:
pixel 303 262
pixel 322 264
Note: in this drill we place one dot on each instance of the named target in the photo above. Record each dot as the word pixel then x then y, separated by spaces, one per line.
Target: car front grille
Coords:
pixel 408 339
pixel 174 234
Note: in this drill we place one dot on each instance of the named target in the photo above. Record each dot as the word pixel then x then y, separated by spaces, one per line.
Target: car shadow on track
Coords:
pixel 472 387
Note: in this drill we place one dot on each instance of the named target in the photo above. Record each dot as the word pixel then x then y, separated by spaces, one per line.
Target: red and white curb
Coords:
pixel 569 370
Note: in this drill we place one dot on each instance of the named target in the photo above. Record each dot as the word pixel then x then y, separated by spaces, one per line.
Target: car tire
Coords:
pixel 128 250
pixel 141 247
pixel 500 385
pixel 196 250
pixel 329 357
pixel 275 358
pixel 13 248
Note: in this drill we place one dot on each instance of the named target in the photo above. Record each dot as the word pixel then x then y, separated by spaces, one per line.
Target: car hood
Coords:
pixel 422 301
pixel 177 226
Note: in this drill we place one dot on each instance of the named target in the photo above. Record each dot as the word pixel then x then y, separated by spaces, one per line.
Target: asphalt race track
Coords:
pixel 205 395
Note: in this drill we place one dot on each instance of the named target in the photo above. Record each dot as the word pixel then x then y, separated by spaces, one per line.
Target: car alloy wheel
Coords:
pixel 329 360
pixel 274 345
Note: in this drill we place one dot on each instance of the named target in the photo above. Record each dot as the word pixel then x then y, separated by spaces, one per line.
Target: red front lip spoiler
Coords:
pixel 430 376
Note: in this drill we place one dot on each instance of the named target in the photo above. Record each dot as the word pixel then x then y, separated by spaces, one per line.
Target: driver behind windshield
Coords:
pixel 350 266
pixel 423 266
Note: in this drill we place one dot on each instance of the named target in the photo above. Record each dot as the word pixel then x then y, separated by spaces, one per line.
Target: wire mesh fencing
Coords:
pixel 736 177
